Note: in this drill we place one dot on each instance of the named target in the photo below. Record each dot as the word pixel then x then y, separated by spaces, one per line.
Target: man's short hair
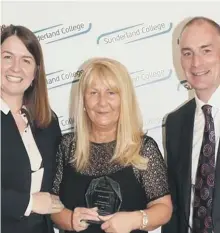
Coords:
pixel 200 19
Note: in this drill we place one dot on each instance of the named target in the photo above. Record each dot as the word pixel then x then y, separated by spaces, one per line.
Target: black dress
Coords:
pixel 137 187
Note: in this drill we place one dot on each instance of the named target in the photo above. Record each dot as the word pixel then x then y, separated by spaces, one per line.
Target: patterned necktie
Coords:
pixel 204 185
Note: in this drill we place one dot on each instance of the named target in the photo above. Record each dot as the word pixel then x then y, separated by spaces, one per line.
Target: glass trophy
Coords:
pixel 105 194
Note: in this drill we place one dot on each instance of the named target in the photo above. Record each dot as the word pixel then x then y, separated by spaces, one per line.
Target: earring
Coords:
pixel 84 109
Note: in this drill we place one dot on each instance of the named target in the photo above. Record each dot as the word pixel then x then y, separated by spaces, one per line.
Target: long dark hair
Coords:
pixel 36 96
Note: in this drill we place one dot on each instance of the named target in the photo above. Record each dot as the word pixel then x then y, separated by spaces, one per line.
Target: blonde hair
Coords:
pixel 129 129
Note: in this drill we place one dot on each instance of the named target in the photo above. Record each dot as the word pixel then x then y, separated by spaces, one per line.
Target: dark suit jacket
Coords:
pixel 16 172
pixel 179 137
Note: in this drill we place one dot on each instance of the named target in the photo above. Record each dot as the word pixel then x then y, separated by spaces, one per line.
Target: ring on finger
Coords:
pixel 83 223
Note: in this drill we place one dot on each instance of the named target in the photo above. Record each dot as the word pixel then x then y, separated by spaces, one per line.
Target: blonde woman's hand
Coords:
pixel 46 203
pixel 81 214
pixel 116 223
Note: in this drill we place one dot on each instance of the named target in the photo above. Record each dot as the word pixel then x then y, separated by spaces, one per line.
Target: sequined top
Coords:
pixel 153 180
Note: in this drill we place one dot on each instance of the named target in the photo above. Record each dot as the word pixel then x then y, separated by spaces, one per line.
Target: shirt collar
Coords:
pixel 4 107
pixel 214 101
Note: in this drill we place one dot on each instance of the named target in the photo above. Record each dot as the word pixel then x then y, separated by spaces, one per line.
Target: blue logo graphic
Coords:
pixel 134 33
pixel 185 84
pixel 66 124
pixel 61 32
pixel 141 77
pixel 61 78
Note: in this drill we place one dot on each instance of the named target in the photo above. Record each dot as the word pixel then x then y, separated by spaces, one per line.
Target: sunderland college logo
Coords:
pixel 142 77
pixel 61 32
pixel 134 33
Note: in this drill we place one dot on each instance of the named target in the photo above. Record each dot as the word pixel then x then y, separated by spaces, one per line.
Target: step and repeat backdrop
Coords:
pixel 141 35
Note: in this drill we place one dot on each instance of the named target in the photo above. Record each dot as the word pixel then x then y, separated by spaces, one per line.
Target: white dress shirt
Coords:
pixel 33 154
pixel 199 124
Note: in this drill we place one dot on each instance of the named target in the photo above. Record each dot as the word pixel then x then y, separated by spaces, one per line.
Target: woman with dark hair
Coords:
pixel 30 136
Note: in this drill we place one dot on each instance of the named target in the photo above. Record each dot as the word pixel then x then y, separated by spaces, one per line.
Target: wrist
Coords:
pixel 67 216
pixel 144 220
pixel 64 219
pixel 136 220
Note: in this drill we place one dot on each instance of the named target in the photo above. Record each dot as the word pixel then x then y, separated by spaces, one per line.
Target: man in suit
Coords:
pixel 192 134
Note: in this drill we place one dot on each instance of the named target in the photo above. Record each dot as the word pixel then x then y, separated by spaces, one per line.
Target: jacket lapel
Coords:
pixel 14 150
pixel 186 158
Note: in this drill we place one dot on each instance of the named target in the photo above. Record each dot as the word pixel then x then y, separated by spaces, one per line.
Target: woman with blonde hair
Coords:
pixel 109 145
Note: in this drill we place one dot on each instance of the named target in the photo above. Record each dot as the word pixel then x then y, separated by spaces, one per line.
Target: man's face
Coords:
pixel 200 56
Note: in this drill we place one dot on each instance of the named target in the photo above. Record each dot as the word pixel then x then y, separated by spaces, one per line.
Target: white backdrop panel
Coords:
pixel 138 34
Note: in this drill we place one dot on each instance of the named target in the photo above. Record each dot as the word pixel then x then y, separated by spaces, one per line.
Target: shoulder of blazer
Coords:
pixel 54 121
pixel 52 130
pixel 179 113
pixel 53 125
pixel 175 120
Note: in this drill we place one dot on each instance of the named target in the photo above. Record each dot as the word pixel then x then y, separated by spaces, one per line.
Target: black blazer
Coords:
pixel 179 137
pixel 16 172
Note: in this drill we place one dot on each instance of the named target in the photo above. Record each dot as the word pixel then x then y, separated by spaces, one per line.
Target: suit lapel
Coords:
pixel 14 148
pixel 216 203
pixel 186 157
